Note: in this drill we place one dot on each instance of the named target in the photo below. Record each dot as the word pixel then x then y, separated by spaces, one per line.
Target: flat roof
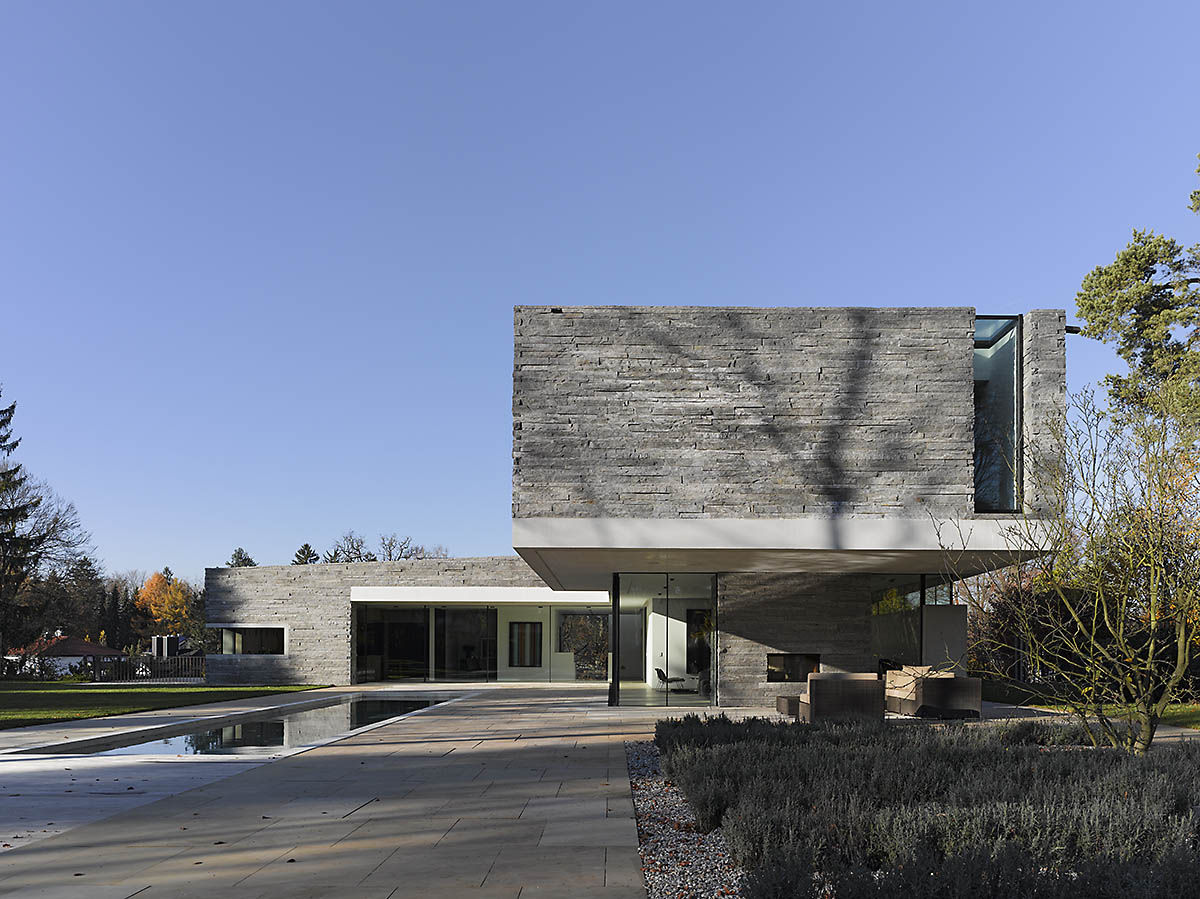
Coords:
pixel 583 553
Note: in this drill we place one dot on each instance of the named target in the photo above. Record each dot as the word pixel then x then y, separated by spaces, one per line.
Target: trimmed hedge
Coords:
pixel 917 810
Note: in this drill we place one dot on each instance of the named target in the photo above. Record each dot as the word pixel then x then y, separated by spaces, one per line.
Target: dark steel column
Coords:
pixel 614 635
pixel 921 626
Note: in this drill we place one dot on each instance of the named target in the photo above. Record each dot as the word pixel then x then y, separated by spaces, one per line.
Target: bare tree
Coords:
pixel 393 548
pixel 350 547
pixel 1100 610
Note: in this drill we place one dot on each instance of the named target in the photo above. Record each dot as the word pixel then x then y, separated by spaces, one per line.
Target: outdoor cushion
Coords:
pixel 930 692
pixel 837 696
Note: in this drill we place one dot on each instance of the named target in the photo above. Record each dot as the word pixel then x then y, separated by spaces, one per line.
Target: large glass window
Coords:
pixel 899 615
pixel 507 642
pixel 666 639
pixel 464 643
pixel 997 413
pixel 581 647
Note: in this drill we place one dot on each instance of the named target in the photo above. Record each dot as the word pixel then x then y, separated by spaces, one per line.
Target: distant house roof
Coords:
pixel 56 647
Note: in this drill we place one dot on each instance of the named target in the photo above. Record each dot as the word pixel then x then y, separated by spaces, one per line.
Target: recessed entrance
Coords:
pixel 666 639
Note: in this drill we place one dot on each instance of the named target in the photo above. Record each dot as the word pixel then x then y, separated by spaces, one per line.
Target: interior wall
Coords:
pixel 945 637
pixel 508 614
pixel 759 613
pixel 666 646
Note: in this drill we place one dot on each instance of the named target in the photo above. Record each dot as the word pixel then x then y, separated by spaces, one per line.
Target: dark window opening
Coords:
pixel 791 667
pixel 525 644
pixel 252 641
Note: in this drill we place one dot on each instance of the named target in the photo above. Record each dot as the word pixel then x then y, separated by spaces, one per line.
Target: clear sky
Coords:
pixel 258 260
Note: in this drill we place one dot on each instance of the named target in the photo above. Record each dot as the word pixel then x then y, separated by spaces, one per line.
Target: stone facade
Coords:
pixel 719 412
pixel 827 615
pixel 1044 392
pixel 313 603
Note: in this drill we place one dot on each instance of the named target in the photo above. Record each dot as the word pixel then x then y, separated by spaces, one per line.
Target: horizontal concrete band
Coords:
pixel 582 553
pixel 476 596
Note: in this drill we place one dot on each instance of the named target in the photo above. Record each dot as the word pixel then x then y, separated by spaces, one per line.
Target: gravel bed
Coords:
pixel 678 861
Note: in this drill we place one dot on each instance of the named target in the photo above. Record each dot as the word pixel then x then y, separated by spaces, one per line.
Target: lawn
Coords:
pixel 23 703
pixel 1183 714
pixel 943 812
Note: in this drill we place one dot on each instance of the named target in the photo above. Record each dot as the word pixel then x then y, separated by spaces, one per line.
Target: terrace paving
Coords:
pixel 510 791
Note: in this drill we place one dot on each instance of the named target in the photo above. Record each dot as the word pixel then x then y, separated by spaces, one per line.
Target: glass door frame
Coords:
pixel 614 685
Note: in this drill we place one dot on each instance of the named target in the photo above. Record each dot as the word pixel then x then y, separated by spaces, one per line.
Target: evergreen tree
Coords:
pixel 131 622
pixel 240 559
pixel 19 548
pixel 112 619
pixel 1147 302
pixel 305 555
pixel 87 595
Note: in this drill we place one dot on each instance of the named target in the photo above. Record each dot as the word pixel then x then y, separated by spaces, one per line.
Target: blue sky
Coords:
pixel 258 260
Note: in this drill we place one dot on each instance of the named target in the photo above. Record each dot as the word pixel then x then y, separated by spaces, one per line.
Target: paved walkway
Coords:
pixel 512 791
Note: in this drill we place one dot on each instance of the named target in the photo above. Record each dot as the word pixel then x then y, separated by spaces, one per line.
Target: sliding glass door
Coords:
pixel 666 639
pixel 464 643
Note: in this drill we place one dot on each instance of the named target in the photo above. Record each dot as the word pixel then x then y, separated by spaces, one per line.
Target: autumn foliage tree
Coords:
pixel 170 601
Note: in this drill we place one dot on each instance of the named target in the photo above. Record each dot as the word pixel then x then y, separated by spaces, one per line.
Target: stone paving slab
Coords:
pixel 513 791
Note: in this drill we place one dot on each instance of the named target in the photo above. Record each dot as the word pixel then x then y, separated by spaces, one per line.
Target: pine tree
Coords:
pixel 240 559
pixel 18 549
pixel 305 555
pixel 129 618
pixel 112 619
pixel 86 590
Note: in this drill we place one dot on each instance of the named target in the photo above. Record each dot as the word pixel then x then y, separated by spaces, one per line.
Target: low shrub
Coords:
pixel 869 805
pixel 1005 874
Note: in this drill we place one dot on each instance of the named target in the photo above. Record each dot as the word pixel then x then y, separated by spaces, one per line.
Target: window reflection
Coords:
pixel 997 413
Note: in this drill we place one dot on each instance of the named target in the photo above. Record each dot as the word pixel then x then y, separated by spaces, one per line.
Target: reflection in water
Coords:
pixel 262 737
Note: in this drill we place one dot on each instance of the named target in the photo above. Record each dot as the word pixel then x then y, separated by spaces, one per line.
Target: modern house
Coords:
pixel 748 493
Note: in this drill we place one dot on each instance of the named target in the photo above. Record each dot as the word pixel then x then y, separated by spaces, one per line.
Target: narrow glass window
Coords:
pixel 997 413
pixel 525 644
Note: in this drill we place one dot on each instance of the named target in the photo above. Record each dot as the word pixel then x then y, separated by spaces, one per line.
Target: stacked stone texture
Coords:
pixel 826 615
pixel 1044 386
pixel 313 602
pixel 681 412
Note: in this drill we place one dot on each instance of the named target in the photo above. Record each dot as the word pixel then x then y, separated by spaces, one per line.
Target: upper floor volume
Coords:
pixel 747 413
pixel 783 439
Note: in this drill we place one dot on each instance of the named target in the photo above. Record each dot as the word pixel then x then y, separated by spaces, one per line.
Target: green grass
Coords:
pixel 1186 714
pixel 23 703
pixel 1183 714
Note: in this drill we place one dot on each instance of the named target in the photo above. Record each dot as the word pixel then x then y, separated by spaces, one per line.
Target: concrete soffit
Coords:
pixel 583 553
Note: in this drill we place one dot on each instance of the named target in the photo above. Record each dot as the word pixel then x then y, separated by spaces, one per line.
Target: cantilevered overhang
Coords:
pixel 583 553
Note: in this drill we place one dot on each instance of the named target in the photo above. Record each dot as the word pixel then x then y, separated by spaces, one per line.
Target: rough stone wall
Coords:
pixel 682 412
pixel 1044 391
pixel 760 613
pixel 313 602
